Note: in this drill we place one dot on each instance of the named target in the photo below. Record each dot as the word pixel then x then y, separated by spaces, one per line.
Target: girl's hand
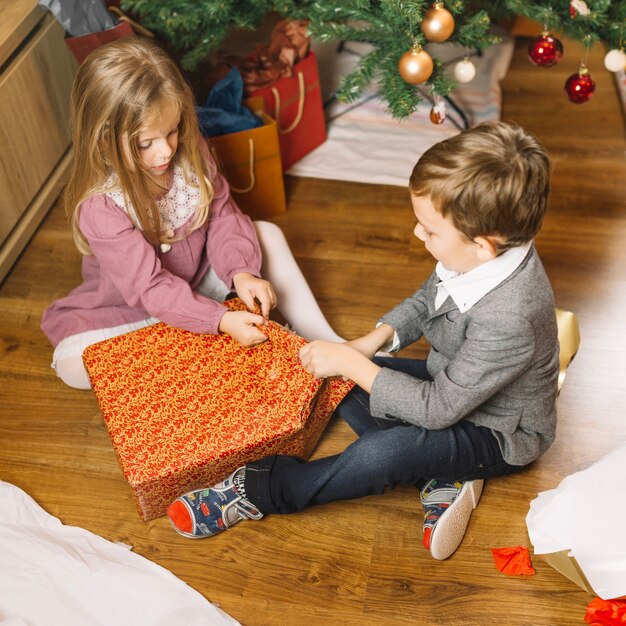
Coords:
pixel 250 287
pixel 242 326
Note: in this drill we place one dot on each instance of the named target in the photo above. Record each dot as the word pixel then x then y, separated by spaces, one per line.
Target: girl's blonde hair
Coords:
pixel 119 89
pixel 493 179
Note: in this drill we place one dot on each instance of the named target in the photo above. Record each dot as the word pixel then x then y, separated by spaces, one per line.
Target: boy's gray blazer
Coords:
pixel 495 365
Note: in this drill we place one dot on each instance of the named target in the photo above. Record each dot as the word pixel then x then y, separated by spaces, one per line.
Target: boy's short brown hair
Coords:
pixel 493 179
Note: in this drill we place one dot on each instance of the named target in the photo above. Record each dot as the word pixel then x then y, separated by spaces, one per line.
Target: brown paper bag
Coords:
pixel 250 161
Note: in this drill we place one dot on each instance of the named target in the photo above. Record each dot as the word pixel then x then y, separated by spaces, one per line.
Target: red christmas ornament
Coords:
pixel 545 50
pixel 580 87
pixel 578 7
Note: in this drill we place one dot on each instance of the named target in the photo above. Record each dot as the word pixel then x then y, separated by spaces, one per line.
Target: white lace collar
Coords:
pixel 176 207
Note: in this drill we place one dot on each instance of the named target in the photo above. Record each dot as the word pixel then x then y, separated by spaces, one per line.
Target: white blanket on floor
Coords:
pixel 57 575
pixel 365 144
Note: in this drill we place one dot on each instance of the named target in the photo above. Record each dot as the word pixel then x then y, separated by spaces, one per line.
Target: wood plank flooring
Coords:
pixel 359 563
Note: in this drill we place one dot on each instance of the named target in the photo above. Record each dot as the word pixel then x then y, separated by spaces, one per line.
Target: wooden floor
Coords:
pixel 359 563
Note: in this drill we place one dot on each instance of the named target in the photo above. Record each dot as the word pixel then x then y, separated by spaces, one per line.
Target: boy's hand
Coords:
pixel 370 344
pixel 242 326
pixel 365 346
pixel 250 287
pixel 325 358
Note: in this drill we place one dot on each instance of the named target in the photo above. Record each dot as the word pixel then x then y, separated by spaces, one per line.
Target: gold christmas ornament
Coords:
pixel 438 23
pixel 415 66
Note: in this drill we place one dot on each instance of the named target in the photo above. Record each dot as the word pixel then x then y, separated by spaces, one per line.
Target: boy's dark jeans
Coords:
pixel 386 454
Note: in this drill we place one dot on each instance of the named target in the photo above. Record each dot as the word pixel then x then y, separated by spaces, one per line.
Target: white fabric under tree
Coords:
pixel 365 144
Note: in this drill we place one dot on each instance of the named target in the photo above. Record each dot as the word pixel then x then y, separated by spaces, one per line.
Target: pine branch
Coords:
pixel 353 84
pixel 196 28
pixel 402 98
pixel 474 33
pixel 443 83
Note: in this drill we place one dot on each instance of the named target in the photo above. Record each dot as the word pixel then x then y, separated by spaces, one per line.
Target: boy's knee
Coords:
pixel 72 372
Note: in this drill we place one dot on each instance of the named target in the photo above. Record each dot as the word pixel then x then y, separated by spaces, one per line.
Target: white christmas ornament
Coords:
pixel 464 71
pixel 615 60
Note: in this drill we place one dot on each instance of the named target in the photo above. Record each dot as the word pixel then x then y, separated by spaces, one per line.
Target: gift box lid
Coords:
pixel 173 399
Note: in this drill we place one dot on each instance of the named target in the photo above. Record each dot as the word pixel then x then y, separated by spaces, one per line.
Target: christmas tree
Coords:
pixel 398 31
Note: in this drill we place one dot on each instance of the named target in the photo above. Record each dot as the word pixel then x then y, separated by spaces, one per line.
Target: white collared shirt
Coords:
pixel 468 288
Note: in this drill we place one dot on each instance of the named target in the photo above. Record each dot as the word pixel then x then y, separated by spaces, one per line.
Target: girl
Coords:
pixel 161 237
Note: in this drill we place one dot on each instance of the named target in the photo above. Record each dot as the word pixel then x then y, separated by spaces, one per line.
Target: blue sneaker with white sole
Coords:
pixel 448 507
pixel 207 512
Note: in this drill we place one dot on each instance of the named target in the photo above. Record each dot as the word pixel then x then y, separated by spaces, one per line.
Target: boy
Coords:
pixel 482 405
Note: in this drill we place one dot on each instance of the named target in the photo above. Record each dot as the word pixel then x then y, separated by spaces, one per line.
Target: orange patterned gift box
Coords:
pixel 184 410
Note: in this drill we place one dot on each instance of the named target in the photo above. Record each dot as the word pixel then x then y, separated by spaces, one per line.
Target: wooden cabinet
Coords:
pixel 36 74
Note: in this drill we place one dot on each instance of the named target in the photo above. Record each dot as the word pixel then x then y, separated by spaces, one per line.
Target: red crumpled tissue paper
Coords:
pixel 513 561
pixel 605 612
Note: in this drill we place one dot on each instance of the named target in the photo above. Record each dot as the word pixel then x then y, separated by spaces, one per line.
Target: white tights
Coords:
pixel 296 302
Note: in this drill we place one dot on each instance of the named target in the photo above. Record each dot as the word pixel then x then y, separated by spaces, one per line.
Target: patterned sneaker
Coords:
pixel 447 510
pixel 206 512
